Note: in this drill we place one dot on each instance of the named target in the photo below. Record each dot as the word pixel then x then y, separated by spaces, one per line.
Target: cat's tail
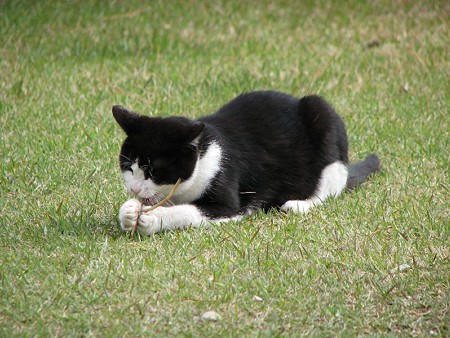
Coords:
pixel 359 171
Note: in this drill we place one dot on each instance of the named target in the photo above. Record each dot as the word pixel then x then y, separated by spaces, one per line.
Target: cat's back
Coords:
pixel 280 124
pixel 264 99
pixel 257 116
pixel 257 105
pixel 274 108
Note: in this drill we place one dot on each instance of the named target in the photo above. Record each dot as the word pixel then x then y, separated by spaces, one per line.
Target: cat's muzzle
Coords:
pixel 150 201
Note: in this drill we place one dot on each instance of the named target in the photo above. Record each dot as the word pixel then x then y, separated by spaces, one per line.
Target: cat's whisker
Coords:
pixel 158 197
pixel 161 196
pixel 127 158
pixel 170 203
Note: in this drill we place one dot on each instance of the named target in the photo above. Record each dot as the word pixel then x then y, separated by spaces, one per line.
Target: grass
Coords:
pixel 67 270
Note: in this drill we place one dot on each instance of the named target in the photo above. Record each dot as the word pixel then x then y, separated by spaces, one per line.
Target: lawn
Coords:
pixel 373 262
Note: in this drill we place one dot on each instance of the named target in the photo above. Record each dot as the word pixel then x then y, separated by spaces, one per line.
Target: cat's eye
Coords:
pixel 126 166
pixel 148 170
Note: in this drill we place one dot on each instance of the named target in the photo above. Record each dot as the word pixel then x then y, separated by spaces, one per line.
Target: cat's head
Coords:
pixel 156 152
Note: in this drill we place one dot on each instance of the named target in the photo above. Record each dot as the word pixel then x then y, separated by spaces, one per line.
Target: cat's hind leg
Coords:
pixel 332 181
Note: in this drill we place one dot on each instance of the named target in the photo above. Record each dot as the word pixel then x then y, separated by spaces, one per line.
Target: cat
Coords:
pixel 261 150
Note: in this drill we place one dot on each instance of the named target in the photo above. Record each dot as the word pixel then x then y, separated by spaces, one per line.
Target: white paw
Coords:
pixel 128 214
pixel 297 206
pixel 149 224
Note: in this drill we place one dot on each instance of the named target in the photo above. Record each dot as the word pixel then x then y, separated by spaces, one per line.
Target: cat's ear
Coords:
pixel 195 129
pixel 128 120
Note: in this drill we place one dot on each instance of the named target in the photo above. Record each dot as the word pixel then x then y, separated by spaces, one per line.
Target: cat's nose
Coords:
pixel 135 190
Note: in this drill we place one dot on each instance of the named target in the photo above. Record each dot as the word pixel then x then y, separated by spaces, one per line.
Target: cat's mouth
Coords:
pixel 150 201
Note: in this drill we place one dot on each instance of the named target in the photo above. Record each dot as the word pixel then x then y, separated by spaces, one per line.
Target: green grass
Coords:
pixel 67 270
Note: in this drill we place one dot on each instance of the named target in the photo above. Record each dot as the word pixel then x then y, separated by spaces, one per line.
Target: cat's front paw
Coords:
pixel 149 224
pixel 128 214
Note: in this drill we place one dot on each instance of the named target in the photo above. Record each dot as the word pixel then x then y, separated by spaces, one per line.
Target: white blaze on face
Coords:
pixel 134 179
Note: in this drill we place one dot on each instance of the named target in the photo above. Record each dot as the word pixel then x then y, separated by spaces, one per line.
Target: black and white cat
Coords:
pixel 263 149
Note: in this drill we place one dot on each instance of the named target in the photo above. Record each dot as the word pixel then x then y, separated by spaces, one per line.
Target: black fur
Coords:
pixel 275 148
